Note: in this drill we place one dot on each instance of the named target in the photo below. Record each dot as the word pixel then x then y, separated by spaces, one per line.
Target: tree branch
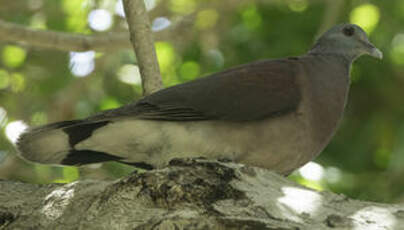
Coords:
pixel 62 40
pixel 143 44
pixel 190 194
pixel 332 11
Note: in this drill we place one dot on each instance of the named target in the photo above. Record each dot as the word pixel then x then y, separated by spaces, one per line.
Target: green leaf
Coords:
pixel 17 82
pixel 109 103
pixel 70 174
pixel 4 79
pixel 189 70
pixel 13 56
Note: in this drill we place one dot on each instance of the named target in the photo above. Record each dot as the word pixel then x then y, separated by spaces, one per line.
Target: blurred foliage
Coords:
pixel 364 160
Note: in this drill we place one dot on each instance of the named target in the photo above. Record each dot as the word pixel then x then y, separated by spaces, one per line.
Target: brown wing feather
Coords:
pixel 250 92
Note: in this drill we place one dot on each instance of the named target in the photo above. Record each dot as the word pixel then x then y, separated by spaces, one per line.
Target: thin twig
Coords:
pixel 143 44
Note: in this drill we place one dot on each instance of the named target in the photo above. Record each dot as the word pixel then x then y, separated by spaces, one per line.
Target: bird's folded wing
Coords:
pixel 249 92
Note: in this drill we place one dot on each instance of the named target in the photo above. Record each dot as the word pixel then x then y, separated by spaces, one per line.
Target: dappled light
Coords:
pixel 333 175
pixel 77 10
pixel 13 56
pixel 374 214
pixel 189 70
pixel 109 103
pixel 57 201
pixel 311 175
pixel 130 74
pixel 100 20
pixel 119 8
pixel 300 200
pixel 82 63
pixel 312 171
pixel 150 4
pixel 70 174
pixel 367 16
pixel 160 23
pixel 14 129
pixel 165 55
pixel 251 17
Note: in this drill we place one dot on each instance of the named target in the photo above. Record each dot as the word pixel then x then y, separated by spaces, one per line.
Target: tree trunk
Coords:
pixel 189 194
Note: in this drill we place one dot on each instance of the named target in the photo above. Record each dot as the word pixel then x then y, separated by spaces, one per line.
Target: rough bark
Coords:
pixel 190 194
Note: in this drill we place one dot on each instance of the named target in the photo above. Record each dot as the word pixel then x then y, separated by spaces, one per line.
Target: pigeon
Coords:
pixel 274 114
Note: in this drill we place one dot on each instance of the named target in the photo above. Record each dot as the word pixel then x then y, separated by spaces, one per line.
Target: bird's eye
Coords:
pixel 348 31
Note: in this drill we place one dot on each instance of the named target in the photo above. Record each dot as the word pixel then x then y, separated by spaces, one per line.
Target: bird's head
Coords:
pixel 348 40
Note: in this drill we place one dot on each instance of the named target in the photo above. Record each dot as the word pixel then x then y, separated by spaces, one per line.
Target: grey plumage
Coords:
pixel 276 114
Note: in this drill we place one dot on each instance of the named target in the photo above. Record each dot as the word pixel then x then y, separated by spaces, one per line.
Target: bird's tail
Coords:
pixel 54 144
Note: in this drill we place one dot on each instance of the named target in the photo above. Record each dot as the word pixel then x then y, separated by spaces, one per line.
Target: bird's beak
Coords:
pixel 373 51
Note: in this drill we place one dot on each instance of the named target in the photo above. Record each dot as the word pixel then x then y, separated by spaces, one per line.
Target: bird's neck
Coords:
pixel 329 85
pixel 346 56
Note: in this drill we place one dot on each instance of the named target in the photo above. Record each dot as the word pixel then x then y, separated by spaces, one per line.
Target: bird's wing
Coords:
pixel 250 92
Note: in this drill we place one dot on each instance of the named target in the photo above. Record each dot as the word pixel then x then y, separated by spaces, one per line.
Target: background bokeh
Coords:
pixel 365 159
